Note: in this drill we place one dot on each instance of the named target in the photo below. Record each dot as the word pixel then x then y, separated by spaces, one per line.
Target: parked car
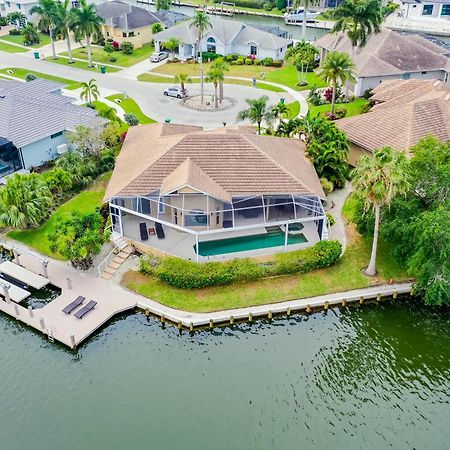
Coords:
pixel 175 91
pixel 159 56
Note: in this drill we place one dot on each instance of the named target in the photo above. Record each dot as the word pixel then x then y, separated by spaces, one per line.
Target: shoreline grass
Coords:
pixel 345 275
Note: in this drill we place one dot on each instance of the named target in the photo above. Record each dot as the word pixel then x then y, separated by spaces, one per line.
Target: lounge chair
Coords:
pixel 159 231
pixel 143 231
pixel 71 306
pixel 85 309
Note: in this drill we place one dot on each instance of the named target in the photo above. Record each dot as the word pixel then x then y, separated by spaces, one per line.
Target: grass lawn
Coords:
pixel 100 56
pixel 353 108
pixel 274 11
pixel 345 275
pixel 294 109
pixel 85 202
pixel 148 77
pixel 288 76
pixel 44 40
pixel 79 65
pixel 11 48
pixel 22 73
pixel 131 107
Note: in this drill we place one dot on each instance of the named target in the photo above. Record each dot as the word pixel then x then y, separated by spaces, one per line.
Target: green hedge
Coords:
pixel 190 275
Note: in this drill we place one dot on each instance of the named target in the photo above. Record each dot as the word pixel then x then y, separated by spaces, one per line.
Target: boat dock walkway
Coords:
pixel 112 299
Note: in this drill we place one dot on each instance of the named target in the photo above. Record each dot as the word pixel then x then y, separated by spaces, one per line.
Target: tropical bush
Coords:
pixel 14 32
pixel 30 77
pixel 79 237
pixel 210 56
pixel 190 275
pixel 131 119
pixel 127 48
pixel 108 47
pixel 267 61
pixel 25 201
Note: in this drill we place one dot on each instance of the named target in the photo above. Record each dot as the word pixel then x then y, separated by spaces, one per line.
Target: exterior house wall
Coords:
pixel 23 7
pixel 141 35
pixel 41 151
pixel 371 82
pixel 421 10
pixel 355 153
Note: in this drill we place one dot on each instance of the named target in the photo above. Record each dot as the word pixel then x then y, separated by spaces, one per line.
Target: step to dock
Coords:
pixel 123 253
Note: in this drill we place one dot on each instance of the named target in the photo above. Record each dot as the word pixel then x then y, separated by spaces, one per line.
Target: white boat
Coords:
pixel 296 15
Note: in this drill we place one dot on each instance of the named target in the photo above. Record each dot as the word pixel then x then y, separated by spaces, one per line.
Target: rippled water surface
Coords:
pixel 371 377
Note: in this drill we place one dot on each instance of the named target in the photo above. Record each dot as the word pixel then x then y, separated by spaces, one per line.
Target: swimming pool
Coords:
pixel 245 243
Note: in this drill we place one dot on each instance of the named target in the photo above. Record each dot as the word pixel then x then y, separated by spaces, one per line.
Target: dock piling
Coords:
pixel 30 310
pixel 41 323
pixel 326 306
pixel 378 297
pixel 147 312
pixel 231 320
pixel 191 328
pixel 270 315
pixel 72 340
pixel 288 312
pixel 250 317
pixel 308 308
pixel 16 309
pixel 394 295
pixel 344 302
pixel 211 324
pixel 361 300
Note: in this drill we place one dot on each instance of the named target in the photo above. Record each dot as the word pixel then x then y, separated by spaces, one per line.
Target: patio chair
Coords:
pixel 85 309
pixel 159 231
pixel 71 306
pixel 143 231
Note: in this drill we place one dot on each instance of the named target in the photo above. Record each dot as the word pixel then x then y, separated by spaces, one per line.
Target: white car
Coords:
pixel 175 91
pixel 159 56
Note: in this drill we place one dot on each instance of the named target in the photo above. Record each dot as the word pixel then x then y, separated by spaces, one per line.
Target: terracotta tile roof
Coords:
pixel 232 163
pixel 390 53
pixel 406 112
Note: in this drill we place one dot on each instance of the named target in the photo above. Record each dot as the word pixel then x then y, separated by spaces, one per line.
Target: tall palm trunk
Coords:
pixel 201 80
pixel 304 21
pixel 69 45
pixel 347 84
pixel 52 40
pixel 371 269
pixel 183 92
pixel 216 100
pixel 259 127
pixel 333 96
pixel 221 91
pixel 88 45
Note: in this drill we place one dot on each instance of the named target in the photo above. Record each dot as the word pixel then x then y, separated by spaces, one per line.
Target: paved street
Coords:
pixel 150 96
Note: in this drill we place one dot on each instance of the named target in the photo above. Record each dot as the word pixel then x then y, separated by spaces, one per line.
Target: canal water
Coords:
pixel 364 377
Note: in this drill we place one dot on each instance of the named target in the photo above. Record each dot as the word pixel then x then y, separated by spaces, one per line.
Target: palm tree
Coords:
pixel 378 180
pixel 215 76
pixel 163 5
pixel 65 15
pixel 337 67
pixel 172 44
pixel 89 90
pixel 257 111
pixel 25 201
pixel 359 19
pixel 303 55
pixel 109 113
pixel 182 78
pixel 306 4
pixel 201 23
pixel 87 24
pixel 157 27
pixel 221 65
pixel 279 110
pixel 47 19
pixel 15 18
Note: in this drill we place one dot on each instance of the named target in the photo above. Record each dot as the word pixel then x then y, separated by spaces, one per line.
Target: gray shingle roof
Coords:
pixel 227 32
pixel 35 110
pixel 125 16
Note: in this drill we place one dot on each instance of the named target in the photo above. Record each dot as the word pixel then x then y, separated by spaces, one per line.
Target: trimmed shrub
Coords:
pixel 14 32
pixel 190 275
pixel 210 55
pixel 113 59
pixel 248 61
pixel 229 58
pixel 127 48
pixel 326 185
pixel 331 219
pixel 267 61
pixel 240 62
pixel 108 47
pixel 257 62
pixel 30 77
pixel 131 119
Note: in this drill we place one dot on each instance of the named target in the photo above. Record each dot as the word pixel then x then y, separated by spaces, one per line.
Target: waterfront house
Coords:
pixel 34 121
pixel 214 194
pixel 404 112
pixel 424 10
pixel 390 55
pixel 225 37
pixel 126 22
pixel 23 6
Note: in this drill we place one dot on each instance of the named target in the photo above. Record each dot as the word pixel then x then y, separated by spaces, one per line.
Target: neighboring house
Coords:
pixel 418 9
pixel 227 192
pixel 126 22
pixel 23 6
pixel 34 120
pixel 404 112
pixel 225 37
pixel 390 55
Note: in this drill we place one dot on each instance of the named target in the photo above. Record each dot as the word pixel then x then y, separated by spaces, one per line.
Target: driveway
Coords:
pixel 150 96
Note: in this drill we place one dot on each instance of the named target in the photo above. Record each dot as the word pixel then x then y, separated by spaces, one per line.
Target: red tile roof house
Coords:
pixel 404 112
pixel 215 194
pixel 390 55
